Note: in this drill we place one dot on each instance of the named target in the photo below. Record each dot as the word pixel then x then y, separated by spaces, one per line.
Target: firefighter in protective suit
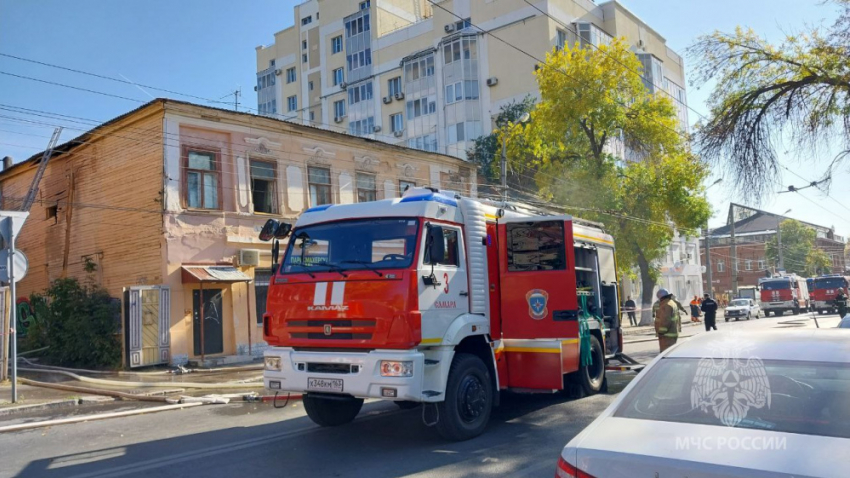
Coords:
pixel 666 320
pixel 841 303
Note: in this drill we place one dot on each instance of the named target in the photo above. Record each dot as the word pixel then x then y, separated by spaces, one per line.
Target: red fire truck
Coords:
pixel 438 300
pixel 783 293
pixel 824 289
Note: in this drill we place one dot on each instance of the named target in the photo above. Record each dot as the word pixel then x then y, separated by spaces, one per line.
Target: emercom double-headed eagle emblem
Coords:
pixel 730 387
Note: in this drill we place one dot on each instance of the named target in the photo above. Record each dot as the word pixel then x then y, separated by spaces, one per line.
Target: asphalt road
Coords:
pixel 524 438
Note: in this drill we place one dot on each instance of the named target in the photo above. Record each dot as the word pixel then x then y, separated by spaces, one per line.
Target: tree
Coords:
pixel 799 253
pixel 594 111
pixel 766 95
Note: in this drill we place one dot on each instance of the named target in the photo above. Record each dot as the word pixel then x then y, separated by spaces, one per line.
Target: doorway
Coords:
pixel 213 328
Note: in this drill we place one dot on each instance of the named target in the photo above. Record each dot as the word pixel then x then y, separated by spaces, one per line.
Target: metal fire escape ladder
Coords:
pixel 33 191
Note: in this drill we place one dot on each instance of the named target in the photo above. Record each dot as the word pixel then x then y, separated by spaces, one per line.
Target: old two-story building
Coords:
pixel 162 207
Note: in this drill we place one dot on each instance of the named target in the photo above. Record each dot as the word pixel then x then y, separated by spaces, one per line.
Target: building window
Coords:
pixel 359 59
pixel 720 266
pixel 536 246
pixel 365 5
pixel 339 76
pixel 290 75
pixel 762 265
pixel 462 48
pixel 469 130
pixel 357 26
pixel 748 265
pixel 562 40
pixel 292 103
pixel 303 44
pixel 367 189
pixel 319 181
pixel 420 68
pixel 421 107
pixel 307 20
pixel 339 109
pixel 590 34
pixel 394 86
pixel 425 143
pixel 312 115
pixel 396 122
pixel 461 24
pixel 454 92
pixel 304 58
pixel 360 93
pixel 404 185
pixel 362 127
pixel 50 212
pixel 263 186
pixel 202 179
pixel 310 85
pixel 336 44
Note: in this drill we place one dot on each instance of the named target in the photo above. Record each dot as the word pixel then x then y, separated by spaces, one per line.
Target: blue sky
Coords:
pixel 206 48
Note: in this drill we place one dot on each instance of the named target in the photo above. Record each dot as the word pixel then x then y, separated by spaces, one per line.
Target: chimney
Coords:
pixel 7 162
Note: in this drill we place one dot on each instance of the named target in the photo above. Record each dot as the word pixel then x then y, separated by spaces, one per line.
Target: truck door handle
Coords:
pixel 464 293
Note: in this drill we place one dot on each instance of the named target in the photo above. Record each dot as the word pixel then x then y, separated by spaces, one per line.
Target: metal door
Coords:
pixel 149 325
pixel 213 329
pixel 537 278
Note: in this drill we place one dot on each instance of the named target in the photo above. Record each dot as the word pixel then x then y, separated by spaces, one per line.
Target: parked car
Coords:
pixel 742 308
pixel 768 403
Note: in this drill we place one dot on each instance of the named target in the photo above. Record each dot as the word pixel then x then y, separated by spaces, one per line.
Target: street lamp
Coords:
pixel 708 246
pixel 505 130
pixel 779 241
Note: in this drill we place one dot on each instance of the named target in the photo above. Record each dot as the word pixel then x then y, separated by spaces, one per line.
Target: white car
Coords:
pixel 742 309
pixel 771 403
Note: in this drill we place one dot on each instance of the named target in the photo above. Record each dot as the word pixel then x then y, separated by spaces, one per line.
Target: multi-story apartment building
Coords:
pixel 433 75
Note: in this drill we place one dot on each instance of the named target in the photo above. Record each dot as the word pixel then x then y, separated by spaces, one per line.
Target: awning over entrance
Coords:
pixel 199 274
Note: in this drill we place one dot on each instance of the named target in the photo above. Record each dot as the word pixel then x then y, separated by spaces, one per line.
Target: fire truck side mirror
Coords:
pixel 275 255
pixel 269 230
pixel 283 230
pixel 436 244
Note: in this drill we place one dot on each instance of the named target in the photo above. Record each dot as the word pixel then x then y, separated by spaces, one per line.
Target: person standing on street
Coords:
pixel 841 303
pixel 709 308
pixel 695 309
pixel 666 320
pixel 630 309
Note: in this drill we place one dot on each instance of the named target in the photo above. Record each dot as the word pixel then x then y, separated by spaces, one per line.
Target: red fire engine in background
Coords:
pixel 784 293
pixel 440 300
pixel 823 290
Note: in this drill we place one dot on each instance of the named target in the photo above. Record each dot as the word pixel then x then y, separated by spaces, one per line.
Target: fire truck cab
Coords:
pixel 437 299
pixel 784 293
pixel 823 290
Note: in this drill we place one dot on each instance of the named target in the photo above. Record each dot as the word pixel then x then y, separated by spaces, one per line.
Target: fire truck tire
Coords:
pixel 331 412
pixel 469 399
pixel 592 377
pixel 406 404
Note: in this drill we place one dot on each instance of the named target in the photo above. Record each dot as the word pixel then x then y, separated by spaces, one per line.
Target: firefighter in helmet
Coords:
pixel 666 320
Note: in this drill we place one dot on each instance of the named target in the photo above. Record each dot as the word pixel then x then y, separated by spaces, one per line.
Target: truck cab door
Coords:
pixel 447 295
pixel 537 278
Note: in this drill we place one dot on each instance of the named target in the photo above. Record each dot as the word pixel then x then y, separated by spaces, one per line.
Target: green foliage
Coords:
pixel 592 103
pixel 764 95
pixel 79 324
pixel 798 250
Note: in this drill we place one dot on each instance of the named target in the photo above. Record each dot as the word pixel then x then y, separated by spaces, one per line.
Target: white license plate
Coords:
pixel 324 384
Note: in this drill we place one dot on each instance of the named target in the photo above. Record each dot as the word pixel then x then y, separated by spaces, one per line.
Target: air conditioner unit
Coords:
pixel 399 96
pixel 398 134
pixel 388 100
pixel 277 72
pixel 338 119
pixel 343 85
pixel 492 81
pixel 249 257
pixel 376 128
pixel 450 27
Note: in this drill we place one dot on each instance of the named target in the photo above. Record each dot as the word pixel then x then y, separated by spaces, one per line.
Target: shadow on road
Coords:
pixel 524 438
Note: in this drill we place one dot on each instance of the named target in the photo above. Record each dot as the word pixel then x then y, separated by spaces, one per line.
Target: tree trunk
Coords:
pixel 647 286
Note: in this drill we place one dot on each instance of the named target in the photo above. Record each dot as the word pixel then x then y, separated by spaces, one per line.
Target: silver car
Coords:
pixel 769 403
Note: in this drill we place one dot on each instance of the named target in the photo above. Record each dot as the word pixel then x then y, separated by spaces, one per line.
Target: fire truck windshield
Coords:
pixel 359 244
pixel 776 285
pixel 829 282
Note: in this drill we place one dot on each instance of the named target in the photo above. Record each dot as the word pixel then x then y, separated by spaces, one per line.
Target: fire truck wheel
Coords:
pixel 406 404
pixel 469 399
pixel 592 377
pixel 331 412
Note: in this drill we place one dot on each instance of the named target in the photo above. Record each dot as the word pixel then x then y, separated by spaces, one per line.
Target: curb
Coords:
pixel 71 402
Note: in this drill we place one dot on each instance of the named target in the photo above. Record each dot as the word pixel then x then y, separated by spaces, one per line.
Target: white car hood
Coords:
pixel 627 448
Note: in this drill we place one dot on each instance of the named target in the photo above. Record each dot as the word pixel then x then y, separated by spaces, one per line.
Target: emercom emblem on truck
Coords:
pixel 537 300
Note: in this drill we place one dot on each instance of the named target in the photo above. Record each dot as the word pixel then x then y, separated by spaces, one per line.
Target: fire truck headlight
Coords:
pixel 392 368
pixel 272 364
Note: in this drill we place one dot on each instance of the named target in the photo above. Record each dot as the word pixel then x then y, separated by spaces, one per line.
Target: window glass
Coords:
pixel 452 257
pixel 198 160
pixel 263 186
pixel 403 185
pixel 536 246
pixel 366 187
pixel 319 180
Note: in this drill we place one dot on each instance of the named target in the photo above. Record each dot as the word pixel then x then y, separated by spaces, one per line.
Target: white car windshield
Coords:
pixel 739 303
pixel 804 397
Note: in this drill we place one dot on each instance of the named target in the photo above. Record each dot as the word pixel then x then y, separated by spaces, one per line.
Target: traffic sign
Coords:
pixel 21 265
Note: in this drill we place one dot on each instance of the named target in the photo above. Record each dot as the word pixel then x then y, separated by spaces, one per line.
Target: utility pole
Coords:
pixel 779 240
pixel 710 290
pixel 734 265
pixel 504 167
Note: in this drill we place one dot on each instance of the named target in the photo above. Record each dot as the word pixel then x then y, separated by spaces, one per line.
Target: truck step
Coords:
pixel 431 362
pixel 431 393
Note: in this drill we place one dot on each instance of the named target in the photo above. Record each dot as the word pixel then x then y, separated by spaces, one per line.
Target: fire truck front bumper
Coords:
pixel 387 374
pixel 824 304
pixel 780 305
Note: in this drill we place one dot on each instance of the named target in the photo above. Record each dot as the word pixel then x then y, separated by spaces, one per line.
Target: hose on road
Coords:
pixel 120 383
pixel 122 373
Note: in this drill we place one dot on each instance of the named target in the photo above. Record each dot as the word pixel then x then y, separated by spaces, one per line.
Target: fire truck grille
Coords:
pixel 335 329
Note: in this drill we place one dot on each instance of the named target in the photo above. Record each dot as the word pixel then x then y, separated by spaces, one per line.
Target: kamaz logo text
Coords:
pixel 320 297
